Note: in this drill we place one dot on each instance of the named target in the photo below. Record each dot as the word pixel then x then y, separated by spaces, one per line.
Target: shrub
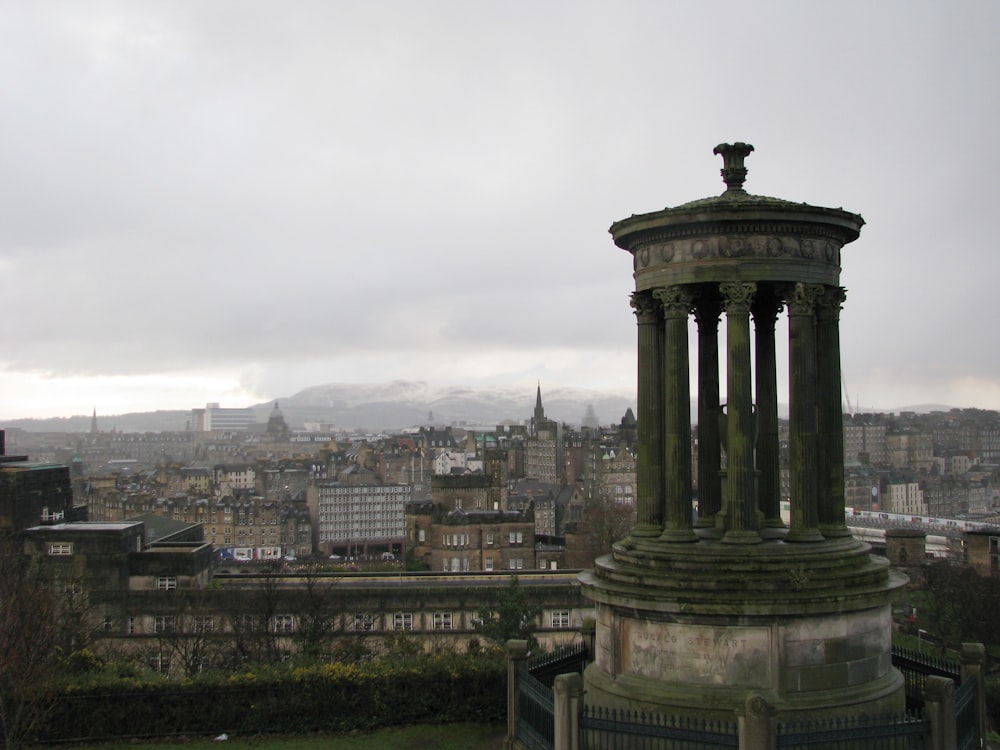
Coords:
pixel 407 689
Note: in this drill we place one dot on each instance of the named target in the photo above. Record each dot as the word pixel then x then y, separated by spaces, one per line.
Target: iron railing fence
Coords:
pixel 966 715
pixel 536 713
pixel 897 732
pixel 546 667
pixel 617 729
pixel 915 667
pixel 621 729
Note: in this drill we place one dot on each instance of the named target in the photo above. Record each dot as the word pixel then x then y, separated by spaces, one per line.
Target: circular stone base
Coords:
pixel 701 629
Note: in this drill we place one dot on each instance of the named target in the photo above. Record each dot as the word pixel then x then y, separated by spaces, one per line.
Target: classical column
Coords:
pixel 706 314
pixel 649 470
pixel 676 302
pixel 741 503
pixel 802 413
pixel 765 309
pixel 830 415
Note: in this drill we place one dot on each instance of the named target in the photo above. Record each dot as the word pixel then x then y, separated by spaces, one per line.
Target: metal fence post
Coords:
pixel 973 663
pixel 939 703
pixel 566 692
pixel 517 655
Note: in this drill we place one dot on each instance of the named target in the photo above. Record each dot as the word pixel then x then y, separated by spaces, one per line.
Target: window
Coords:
pixel 130 626
pixel 362 622
pixel 166 583
pixel 160 663
pixel 60 548
pixel 516 563
pixel 489 538
pixel 489 562
pixel 441 621
pixel 421 535
pixel 204 624
pixel 559 618
pixel 283 623
pixel 246 622
pixel 108 623
pixel 163 623
pixel 402 621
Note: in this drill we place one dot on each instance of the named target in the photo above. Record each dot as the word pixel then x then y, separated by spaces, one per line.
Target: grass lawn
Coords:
pixel 424 737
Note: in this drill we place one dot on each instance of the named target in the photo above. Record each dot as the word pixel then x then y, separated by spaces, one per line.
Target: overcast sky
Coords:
pixel 232 201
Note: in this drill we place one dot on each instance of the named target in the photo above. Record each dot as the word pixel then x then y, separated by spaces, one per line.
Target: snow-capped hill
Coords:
pixel 402 403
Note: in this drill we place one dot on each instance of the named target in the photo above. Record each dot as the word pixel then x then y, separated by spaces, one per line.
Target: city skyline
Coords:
pixel 223 203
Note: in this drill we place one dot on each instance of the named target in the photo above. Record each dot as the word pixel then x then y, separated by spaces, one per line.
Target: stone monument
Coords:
pixel 738 609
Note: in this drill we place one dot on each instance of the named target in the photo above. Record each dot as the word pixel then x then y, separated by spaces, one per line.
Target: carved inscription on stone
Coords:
pixel 697 654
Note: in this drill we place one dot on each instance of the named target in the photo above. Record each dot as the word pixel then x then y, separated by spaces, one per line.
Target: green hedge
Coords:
pixel 442 688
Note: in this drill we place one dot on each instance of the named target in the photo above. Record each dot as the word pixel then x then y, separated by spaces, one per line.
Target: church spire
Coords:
pixel 538 419
pixel 93 423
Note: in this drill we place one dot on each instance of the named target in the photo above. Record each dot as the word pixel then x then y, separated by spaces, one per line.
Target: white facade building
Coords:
pixel 359 515
pixel 214 418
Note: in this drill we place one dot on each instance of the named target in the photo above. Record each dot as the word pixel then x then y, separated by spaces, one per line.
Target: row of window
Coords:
pixel 285 623
pixel 463 540
pixel 461 564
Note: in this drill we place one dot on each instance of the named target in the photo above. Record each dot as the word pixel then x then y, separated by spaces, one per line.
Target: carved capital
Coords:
pixel 804 298
pixel 675 301
pixel 830 303
pixel 737 296
pixel 646 309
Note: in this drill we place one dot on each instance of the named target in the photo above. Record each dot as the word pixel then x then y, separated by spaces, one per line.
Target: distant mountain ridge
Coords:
pixel 395 405
pixel 402 403
pixel 386 406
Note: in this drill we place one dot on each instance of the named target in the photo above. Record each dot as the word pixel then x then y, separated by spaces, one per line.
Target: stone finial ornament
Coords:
pixel 734 174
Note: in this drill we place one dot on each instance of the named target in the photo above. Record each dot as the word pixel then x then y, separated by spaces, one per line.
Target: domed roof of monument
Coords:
pixel 735 204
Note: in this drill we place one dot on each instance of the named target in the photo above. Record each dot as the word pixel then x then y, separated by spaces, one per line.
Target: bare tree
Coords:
pixel 604 523
pixel 258 620
pixel 188 636
pixel 315 612
pixel 29 642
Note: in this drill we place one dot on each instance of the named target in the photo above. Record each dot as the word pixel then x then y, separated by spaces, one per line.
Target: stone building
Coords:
pixel 617 477
pixel 983 551
pixel 234 479
pixel 543 453
pixel 473 540
pixel 154 596
pixel 34 492
pixel 910 450
pixel 906 498
pixel 864 441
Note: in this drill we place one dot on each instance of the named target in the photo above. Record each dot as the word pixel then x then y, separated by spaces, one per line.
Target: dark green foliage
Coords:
pixel 439 688
pixel 960 605
pixel 511 616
